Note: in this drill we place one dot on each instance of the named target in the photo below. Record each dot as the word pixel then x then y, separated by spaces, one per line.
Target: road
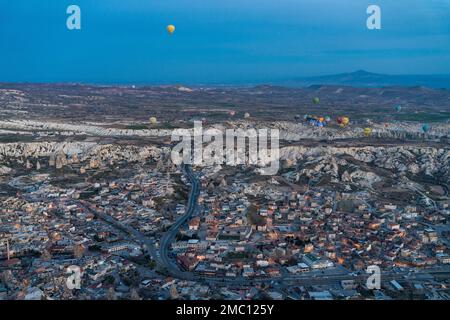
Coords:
pixel 149 245
pixel 318 279
pixel 165 257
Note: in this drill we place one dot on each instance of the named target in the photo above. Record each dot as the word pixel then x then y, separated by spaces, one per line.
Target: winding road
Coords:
pixel 165 257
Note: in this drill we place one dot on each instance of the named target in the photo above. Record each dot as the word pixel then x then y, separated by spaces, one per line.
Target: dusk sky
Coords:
pixel 218 41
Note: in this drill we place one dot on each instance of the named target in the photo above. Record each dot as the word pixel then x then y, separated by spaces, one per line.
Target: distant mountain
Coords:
pixel 363 78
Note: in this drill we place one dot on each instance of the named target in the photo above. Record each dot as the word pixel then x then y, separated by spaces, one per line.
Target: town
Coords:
pixel 108 199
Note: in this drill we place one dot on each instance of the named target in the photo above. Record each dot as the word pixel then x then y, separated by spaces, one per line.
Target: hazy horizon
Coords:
pixel 291 82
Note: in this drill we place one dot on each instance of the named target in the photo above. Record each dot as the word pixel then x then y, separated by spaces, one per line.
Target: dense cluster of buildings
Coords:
pixel 238 233
pixel 234 236
pixel 48 229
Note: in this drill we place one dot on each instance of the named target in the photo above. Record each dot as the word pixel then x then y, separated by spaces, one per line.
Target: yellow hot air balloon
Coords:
pixel 171 28
pixel 153 120
pixel 367 131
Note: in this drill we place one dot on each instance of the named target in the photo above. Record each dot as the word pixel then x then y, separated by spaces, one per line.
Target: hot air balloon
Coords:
pixel 426 128
pixel 232 113
pixel 327 118
pixel 247 115
pixel 367 131
pixel 153 120
pixel 398 108
pixel 171 28
pixel 343 121
pixel 315 121
pixel 316 100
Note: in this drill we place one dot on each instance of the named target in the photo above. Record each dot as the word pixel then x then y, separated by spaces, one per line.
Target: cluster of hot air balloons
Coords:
pixel 320 121
pixel 343 121
pixel 317 121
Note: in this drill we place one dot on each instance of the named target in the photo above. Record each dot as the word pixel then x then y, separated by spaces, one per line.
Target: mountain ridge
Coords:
pixel 363 78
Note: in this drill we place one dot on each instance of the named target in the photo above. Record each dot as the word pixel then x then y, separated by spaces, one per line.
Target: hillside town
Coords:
pixel 98 210
pixel 247 238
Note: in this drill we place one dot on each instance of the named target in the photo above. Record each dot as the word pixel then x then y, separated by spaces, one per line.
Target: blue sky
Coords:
pixel 217 41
